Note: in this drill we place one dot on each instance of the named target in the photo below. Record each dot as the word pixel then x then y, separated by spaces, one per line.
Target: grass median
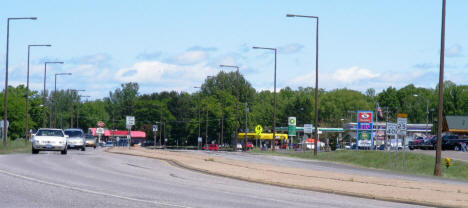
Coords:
pixel 15 146
pixel 404 162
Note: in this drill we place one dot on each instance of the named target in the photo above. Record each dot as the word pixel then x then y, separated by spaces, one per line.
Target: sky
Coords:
pixel 174 45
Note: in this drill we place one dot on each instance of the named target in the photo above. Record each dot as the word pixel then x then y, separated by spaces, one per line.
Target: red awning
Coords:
pixel 120 133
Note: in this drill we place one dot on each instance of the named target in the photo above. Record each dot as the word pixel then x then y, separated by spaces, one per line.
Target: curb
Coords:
pixel 283 185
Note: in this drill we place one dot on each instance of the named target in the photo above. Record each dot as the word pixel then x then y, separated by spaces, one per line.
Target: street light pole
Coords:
pixel 237 103
pixel 5 98
pixel 55 97
pixel 198 143
pixel 316 77
pixel 274 98
pixel 78 108
pixel 44 91
pixel 26 132
pixel 71 111
pixel 440 119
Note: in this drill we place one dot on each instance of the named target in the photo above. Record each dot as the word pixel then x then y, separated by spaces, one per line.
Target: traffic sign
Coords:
pixel 199 139
pixel 130 120
pixel 155 128
pixel 308 128
pixel 100 124
pixel 392 129
pixel 402 123
pixel 258 130
pixel 99 131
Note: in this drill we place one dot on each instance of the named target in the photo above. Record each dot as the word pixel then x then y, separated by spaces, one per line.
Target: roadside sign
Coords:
pixel 402 115
pixel 291 130
pixel 292 121
pixel 402 122
pixel 155 128
pixel 100 124
pixel 392 129
pixel 258 130
pixel 130 120
pixel 308 128
pixel 199 139
pixel 128 137
pixel 100 131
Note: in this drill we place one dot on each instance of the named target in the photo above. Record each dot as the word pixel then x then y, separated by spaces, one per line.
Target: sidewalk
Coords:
pixel 381 188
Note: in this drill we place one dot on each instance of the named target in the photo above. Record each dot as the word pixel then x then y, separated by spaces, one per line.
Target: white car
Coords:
pixel 49 140
pixel 76 139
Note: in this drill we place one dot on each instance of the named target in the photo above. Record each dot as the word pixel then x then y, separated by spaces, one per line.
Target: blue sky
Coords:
pixel 174 45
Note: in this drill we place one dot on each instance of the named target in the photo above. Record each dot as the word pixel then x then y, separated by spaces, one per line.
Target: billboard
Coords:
pixel 365 117
pixel 365 126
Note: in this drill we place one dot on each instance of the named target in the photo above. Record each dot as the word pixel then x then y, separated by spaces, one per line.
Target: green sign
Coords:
pixel 365 135
pixel 291 130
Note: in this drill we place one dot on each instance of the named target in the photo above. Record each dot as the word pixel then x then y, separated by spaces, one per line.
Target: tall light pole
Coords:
pixel 55 96
pixel 26 135
pixel 440 119
pixel 71 111
pixel 427 112
pixel 274 97
pixel 316 77
pixel 198 143
pixel 78 109
pixel 44 91
pixel 5 98
pixel 237 102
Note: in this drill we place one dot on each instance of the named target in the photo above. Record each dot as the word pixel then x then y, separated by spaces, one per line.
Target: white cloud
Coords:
pixel 290 48
pixel 353 74
pixel 454 51
pixel 189 57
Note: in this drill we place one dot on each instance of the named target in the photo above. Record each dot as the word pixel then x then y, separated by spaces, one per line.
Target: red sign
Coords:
pixel 365 117
pixel 100 124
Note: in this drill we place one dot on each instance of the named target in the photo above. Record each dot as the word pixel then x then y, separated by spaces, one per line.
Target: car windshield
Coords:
pixel 74 133
pixel 89 136
pixel 49 132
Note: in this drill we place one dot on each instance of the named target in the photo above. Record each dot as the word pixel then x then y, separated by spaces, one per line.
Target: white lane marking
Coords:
pixel 89 191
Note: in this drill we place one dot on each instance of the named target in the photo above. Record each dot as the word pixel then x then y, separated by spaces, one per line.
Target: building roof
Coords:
pixel 456 124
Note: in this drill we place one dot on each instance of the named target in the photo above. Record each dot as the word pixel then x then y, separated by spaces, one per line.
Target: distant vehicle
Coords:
pixel 49 140
pixel 239 146
pixel 213 147
pixel 249 145
pixel 90 141
pixel 76 139
pixel 109 144
pixel 148 143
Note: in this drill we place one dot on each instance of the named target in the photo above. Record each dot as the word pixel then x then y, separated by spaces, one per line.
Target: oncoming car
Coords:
pixel 49 140
pixel 75 139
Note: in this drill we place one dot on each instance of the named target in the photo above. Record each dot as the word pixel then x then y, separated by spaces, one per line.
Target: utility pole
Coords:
pixel 440 119
pixel 246 127
pixel 206 127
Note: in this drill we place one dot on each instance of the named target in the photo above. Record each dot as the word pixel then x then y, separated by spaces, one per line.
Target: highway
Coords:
pixel 98 179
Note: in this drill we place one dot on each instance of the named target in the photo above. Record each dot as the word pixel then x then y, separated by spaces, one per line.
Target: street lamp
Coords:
pixel 198 118
pixel 78 108
pixel 274 98
pixel 71 111
pixel 55 96
pixel 44 91
pixel 427 112
pixel 237 102
pixel 27 92
pixel 316 77
pixel 5 98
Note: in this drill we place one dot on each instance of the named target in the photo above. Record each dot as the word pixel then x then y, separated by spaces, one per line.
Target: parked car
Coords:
pixel 76 139
pixel 213 147
pixel 90 141
pixel 49 140
pixel 249 145
pixel 109 144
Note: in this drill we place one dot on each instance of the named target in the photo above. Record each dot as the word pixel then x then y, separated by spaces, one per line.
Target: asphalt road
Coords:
pixel 97 179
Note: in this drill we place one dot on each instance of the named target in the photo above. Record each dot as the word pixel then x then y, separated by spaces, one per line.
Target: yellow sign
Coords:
pixel 402 115
pixel 258 130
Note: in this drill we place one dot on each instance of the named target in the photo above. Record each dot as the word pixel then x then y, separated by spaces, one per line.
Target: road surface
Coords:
pixel 98 179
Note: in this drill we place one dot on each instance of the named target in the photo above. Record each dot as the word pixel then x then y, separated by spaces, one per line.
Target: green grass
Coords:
pixel 15 146
pixel 413 163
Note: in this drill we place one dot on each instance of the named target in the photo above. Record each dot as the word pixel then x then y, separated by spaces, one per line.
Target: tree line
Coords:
pixel 226 101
